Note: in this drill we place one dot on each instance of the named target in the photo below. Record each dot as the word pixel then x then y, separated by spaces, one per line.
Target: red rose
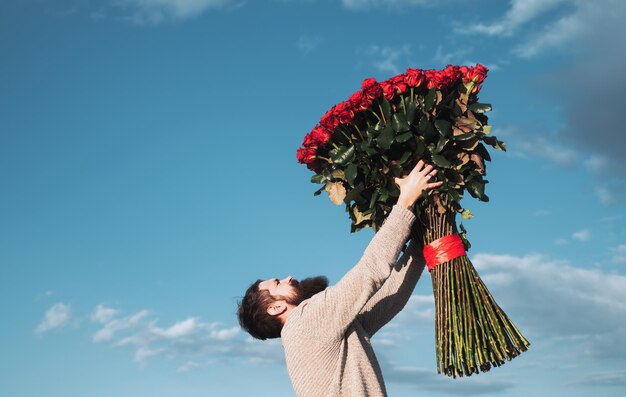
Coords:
pixel 359 100
pixel 319 136
pixel 432 78
pixel 398 83
pixel 308 140
pixel 305 155
pixel 344 112
pixel 371 88
pixel 452 73
pixel 388 89
pixel 476 74
pixel 441 79
pixel 329 120
pixel 414 77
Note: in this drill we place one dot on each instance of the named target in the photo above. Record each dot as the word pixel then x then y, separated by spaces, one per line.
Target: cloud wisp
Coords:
pixel 566 312
pixel 56 317
pixel 388 59
pixel 156 11
pixel 191 342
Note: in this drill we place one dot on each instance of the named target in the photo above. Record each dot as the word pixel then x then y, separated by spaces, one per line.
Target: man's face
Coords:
pixel 285 288
pixel 292 290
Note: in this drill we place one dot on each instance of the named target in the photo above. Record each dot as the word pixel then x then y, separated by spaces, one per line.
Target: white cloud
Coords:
pixel 358 5
pixel 521 12
pixel 606 196
pixel 583 310
pixel 582 235
pixel 188 366
pixel 155 11
pixel 103 314
pixel 564 30
pixel 540 147
pixel 306 44
pixel 427 379
pixel 453 56
pixel 609 378
pixel 113 326
pixel 177 330
pixel 55 317
pixel 568 314
pixel 386 58
pixel 190 340
pixel 619 254
pixel 143 353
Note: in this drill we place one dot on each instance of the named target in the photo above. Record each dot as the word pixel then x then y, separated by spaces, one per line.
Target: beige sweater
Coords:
pixel 327 337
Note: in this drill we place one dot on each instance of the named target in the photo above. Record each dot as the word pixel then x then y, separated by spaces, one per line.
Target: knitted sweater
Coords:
pixel 326 338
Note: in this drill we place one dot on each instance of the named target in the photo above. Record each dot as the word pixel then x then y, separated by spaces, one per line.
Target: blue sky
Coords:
pixel 148 176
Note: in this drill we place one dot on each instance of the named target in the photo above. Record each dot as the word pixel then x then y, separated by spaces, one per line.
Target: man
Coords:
pixel 326 331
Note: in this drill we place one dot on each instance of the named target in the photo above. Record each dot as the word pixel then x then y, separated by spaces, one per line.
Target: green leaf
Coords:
pixel 386 108
pixel 379 126
pixel 404 137
pixel 476 189
pixel 375 196
pixel 482 152
pixel 444 127
pixel 427 129
pixel 493 141
pixel 430 99
pixel 385 139
pixel 351 173
pixel 454 195
pixel 440 161
pixel 319 191
pixel 464 137
pixel 318 178
pixel 343 155
pixel 404 158
pixel 399 123
pixel 411 111
pixel 466 243
pixel 442 142
pixel 354 195
pixel 479 107
pixel 419 147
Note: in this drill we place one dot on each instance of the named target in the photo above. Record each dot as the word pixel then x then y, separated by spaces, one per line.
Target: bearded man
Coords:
pixel 325 331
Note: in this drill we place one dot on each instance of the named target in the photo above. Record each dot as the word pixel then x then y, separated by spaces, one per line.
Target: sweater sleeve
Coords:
pixel 395 292
pixel 328 314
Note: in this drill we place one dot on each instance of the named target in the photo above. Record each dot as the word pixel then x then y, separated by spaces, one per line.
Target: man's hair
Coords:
pixel 253 315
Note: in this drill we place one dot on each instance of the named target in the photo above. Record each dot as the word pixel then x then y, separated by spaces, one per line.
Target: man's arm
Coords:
pixel 329 313
pixel 395 292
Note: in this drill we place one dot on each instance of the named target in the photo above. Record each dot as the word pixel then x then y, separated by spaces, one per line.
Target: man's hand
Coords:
pixel 413 185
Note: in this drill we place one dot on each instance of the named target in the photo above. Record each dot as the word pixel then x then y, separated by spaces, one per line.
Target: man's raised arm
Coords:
pixel 333 310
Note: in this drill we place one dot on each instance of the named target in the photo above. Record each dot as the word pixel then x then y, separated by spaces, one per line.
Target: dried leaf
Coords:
pixel 475 157
pixel 359 216
pixel 336 192
pixel 466 214
pixel 338 174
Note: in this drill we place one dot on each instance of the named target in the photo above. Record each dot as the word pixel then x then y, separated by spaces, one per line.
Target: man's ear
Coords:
pixel 277 308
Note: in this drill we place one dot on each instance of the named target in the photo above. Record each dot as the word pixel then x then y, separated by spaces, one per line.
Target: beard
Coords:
pixel 306 288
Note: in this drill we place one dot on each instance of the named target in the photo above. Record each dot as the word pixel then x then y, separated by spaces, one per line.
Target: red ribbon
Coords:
pixel 443 250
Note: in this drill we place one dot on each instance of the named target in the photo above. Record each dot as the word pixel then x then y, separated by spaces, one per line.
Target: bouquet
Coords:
pixel 381 132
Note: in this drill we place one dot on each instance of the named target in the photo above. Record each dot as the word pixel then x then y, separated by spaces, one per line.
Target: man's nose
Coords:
pixel 287 279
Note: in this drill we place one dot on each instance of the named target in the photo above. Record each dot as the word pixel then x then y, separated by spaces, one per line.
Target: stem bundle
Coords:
pixel 472 333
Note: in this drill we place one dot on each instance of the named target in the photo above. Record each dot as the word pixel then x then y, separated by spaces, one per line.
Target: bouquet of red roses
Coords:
pixel 379 133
